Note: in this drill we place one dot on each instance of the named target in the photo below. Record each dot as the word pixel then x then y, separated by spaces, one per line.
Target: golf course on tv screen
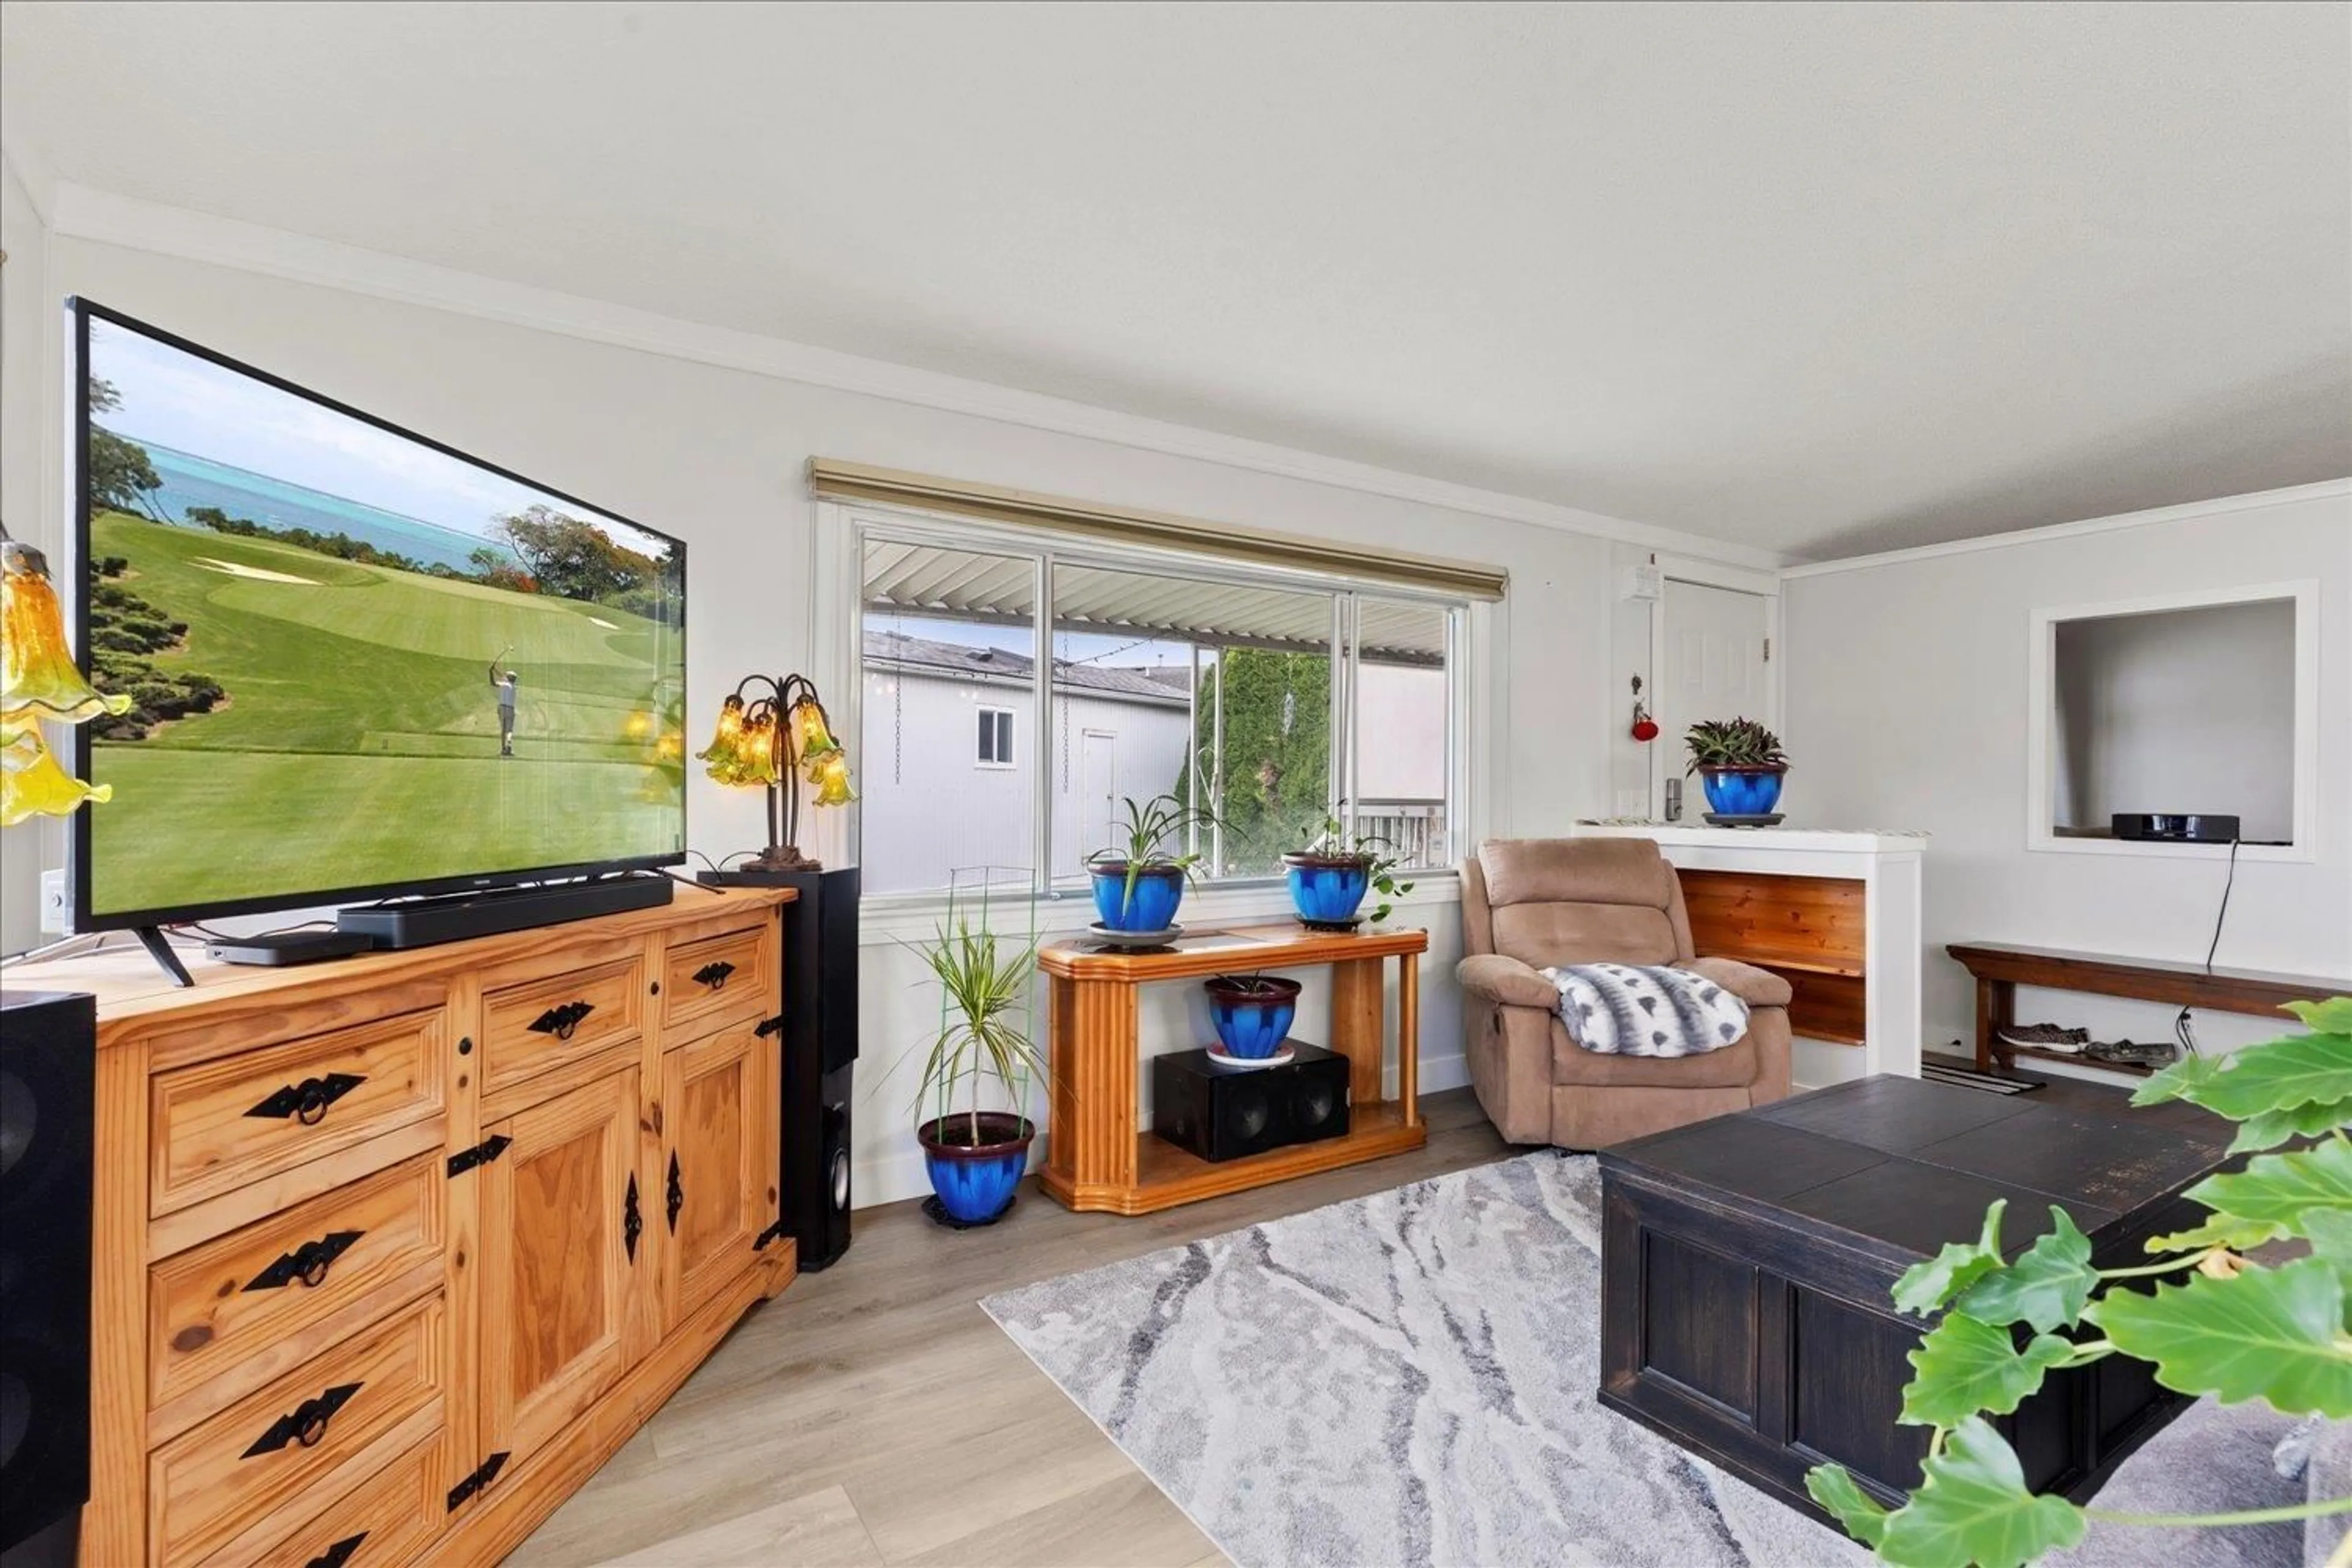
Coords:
pixel 355 660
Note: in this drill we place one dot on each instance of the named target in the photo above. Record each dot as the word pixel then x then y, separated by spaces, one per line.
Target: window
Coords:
pixel 2198 704
pixel 1271 697
pixel 996 737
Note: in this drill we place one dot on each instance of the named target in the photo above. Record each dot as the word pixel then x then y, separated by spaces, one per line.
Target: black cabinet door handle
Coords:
pixel 632 1223
pixel 307 1264
pixel 307 1102
pixel 714 974
pixel 338 1554
pixel 305 1424
pixel 677 1193
pixel 561 1021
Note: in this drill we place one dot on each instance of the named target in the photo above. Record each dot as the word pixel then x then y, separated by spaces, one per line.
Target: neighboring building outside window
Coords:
pixel 996 738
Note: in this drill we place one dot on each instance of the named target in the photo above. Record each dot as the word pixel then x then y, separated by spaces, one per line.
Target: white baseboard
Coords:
pixel 898 1175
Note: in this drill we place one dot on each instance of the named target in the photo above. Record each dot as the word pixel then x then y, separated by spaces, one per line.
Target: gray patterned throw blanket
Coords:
pixel 1626 1010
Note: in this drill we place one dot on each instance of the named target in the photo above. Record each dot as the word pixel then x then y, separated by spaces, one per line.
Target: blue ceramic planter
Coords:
pixel 1741 792
pixel 1326 891
pixel 1152 905
pixel 1252 1015
pixel 975 1184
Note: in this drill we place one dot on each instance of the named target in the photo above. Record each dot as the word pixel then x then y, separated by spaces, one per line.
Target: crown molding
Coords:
pixel 81 212
pixel 2220 506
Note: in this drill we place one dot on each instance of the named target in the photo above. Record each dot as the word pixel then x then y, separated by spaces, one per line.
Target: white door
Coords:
pixel 1712 664
pixel 1098 789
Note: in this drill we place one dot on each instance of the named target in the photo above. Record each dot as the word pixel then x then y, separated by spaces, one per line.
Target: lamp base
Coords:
pixel 777 859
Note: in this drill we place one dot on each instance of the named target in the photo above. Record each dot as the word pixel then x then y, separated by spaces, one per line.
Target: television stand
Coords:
pixel 157 946
pixel 454 917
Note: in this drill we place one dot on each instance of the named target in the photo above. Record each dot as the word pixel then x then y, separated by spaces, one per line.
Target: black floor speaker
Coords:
pixel 820 1052
pixel 48 1051
pixel 1224 1113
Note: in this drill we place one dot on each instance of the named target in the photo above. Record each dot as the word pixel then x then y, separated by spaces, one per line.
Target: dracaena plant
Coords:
pixel 1732 743
pixel 1333 841
pixel 2216 1321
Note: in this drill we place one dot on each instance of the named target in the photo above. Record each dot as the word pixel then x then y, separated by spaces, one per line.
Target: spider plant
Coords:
pixel 1333 844
pixel 1149 826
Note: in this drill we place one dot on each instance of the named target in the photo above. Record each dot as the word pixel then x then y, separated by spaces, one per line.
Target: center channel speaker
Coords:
pixel 1223 1113
pixel 48 1052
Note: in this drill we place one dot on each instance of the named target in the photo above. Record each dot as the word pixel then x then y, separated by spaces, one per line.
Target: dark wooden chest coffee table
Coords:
pixel 1746 1265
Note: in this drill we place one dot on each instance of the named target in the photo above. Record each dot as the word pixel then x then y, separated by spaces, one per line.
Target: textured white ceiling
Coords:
pixel 1819 279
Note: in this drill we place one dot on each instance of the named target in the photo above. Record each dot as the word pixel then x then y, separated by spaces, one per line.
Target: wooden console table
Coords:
pixel 1097 1157
pixel 2000 970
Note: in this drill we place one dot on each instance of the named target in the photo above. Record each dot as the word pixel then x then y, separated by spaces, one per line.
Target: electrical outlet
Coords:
pixel 55 909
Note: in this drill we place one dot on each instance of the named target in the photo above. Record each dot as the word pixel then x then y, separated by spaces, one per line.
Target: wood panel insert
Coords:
pixel 1809 931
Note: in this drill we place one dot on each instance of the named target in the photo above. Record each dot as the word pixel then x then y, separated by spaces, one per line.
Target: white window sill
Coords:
pixel 2168 849
pixel 888 919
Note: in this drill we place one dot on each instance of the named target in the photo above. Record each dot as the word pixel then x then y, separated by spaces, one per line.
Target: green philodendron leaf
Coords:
pixel 2046 1286
pixel 2333 1016
pixel 2269 1197
pixel 1927 1286
pixel 2272 1128
pixel 2277 1075
pixel 2266 1333
pixel 2178 1081
pixel 1973 1507
pixel 1965 1366
pixel 2330 1231
pixel 1864 1516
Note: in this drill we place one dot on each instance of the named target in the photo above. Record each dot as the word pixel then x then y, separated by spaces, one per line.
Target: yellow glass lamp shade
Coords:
pixel 38 676
pixel 811 739
pixel 725 752
pixel 755 749
pixel 32 784
pixel 831 775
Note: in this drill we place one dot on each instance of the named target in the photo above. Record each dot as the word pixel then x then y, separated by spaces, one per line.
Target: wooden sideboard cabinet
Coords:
pixel 392 1253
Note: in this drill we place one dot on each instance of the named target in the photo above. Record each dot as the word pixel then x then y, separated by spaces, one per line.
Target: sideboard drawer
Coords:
pixel 381 1524
pixel 730 975
pixel 227 1123
pixel 530 1028
pixel 236 1478
pixel 238 1304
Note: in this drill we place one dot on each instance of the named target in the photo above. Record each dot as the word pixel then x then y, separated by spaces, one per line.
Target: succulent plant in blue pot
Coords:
pixel 1139 883
pixel 1739 763
pixel 976 1157
pixel 1331 876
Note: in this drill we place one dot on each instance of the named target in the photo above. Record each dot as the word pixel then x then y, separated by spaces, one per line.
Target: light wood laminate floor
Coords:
pixel 873 1414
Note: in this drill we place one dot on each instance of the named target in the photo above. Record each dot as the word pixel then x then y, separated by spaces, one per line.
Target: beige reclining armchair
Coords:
pixel 1532 903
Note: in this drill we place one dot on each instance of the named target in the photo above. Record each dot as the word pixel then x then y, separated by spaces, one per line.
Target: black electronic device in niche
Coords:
pixel 819 1053
pixel 454 917
pixel 48 1050
pixel 1224 1113
pixel 2176 827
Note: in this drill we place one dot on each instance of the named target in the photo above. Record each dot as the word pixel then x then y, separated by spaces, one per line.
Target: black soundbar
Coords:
pixel 423 923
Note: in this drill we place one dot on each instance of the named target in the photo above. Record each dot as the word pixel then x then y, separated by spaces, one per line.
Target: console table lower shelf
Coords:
pixel 1099 1159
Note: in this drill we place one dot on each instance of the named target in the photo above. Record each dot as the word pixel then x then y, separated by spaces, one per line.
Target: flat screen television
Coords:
pixel 363 663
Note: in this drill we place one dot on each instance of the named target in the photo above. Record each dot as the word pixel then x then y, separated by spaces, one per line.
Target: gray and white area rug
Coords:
pixel 1407 1378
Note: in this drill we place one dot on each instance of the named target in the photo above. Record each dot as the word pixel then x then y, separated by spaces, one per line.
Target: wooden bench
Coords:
pixel 1999 970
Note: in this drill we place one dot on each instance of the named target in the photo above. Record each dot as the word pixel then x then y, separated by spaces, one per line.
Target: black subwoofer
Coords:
pixel 1220 1113
pixel 48 1052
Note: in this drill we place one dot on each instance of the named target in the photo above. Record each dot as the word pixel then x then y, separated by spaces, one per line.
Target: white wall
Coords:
pixel 717 454
pixel 26 455
pixel 2188 710
pixel 1906 688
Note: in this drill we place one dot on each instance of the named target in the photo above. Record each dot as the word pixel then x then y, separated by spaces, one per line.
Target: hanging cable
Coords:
pixel 2183 1029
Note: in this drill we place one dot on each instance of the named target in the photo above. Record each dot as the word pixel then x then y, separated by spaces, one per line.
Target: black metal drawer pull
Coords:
pixel 714 974
pixel 561 1021
pixel 676 1194
pixel 632 1224
pixel 307 1102
pixel 338 1554
pixel 305 1424
pixel 307 1264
